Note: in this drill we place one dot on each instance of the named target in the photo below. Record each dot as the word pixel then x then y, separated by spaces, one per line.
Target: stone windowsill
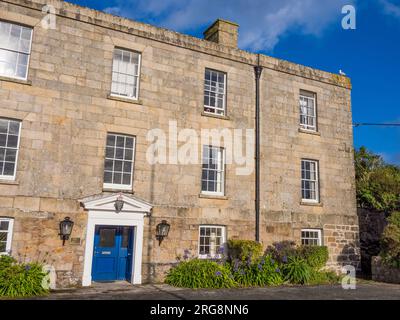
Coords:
pixel 312 204
pixel 212 115
pixel 212 196
pixel 118 190
pixel 315 133
pixel 20 81
pixel 122 99
pixel 9 182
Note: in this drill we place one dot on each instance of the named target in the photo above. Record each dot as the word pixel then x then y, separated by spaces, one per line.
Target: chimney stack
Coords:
pixel 223 32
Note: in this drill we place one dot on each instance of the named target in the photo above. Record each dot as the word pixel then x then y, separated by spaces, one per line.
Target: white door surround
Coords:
pixel 102 212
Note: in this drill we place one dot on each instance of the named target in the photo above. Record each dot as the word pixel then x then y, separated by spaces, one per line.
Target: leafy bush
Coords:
pixel 324 277
pixel 377 183
pixel 282 262
pixel 280 251
pixel 21 279
pixel 244 250
pixel 264 271
pixel 390 241
pixel 199 273
pixel 297 271
pixel 315 256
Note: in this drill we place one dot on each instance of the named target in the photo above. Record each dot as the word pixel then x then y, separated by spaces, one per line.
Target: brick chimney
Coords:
pixel 223 32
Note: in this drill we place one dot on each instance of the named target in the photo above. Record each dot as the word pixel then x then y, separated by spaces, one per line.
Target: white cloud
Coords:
pixel 390 8
pixel 262 22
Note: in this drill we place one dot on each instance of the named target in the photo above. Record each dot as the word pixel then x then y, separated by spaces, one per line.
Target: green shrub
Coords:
pixel 390 241
pixel 21 279
pixel 199 273
pixel 280 251
pixel 297 271
pixel 324 277
pixel 315 256
pixel 244 250
pixel 264 271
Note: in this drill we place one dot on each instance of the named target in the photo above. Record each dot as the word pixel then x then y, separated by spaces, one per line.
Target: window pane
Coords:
pixel 125 73
pixel 9 168
pixel 126 179
pixel 107 238
pixel 108 165
pixel 107 177
pixel 117 179
pixel 4 225
pixel 15 46
pixel 3 140
pixel 10 155
pixel 117 169
pixel 125 237
pixel 214 91
pixel 12 141
pixel 118 166
pixel 14 127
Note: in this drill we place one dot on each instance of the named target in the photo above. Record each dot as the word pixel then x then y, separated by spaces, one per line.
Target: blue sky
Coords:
pixel 307 32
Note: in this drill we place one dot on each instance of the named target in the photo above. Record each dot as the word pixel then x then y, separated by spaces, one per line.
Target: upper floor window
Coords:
pixel 125 73
pixel 214 92
pixel 6 227
pixel 9 146
pixel 311 237
pixel 212 239
pixel 118 163
pixel 15 50
pixel 213 170
pixel 308 113
pixel 309 180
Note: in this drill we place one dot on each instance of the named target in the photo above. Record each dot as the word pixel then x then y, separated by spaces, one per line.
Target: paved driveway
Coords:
pixel 126 291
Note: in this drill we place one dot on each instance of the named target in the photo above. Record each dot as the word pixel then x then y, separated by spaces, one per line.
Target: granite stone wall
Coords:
pixel 66 112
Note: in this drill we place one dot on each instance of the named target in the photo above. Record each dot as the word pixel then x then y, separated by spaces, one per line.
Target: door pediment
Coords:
pixel 106 202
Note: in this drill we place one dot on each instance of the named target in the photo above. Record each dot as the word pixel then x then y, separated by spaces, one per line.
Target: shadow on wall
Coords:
pixel 372 224
pixel 350 255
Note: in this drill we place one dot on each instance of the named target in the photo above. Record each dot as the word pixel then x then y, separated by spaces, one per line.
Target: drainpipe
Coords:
pixel 257 70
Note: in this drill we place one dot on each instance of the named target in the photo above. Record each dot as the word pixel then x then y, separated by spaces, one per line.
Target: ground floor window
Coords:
pixel 311 237
pixel 212 239
pixel 6 227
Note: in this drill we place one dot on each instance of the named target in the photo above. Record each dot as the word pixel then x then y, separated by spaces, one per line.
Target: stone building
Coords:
pixel 80 93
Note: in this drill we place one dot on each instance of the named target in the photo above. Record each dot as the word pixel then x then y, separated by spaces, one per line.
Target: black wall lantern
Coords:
pixel 162 230
pixel 66 229
pixel 119 204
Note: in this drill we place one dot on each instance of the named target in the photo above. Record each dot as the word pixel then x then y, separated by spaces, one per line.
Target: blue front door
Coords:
pixel 112 255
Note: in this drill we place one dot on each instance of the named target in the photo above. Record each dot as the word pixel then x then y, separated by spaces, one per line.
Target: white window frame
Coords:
pixel 114 186
pixel 309 96
pixel 13 177
pixel 215 108
pixel 220 169
pixel 223 241
pixel 113 94
pixel 9 234
pixel 316 181
pixel 28 54
pixel 319 239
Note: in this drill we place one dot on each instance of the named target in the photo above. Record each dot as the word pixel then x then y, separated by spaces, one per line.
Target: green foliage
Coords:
pixel 283 262
pixel 280 251
pixel 20 279
pixel 377 183
pixel 264 271
pixel 324 277
pixel 199 273
pixel 390 241
pixel 244 250
pixel 315 256
pixel 297 271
